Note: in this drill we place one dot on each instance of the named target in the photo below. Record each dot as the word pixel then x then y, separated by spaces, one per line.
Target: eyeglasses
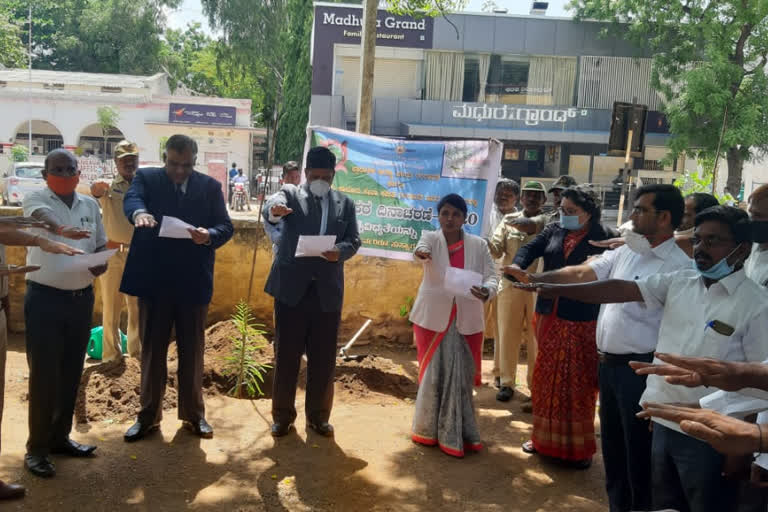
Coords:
pixel 640 210
pixel 711 241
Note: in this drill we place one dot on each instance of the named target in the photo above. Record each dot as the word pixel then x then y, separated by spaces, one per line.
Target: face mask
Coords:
pixel 637 242
pixel 319 187
pixel 62 186
pixel 717 271
pixel 570 222
pixel 759 231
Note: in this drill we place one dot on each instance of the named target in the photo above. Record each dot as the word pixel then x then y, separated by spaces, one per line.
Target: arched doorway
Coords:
pixel 91 141
pixel 45 137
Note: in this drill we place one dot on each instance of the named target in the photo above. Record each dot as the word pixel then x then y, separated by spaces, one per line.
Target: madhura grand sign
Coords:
pixel 532 116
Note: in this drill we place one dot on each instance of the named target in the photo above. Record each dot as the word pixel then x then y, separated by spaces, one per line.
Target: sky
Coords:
pixel 191 11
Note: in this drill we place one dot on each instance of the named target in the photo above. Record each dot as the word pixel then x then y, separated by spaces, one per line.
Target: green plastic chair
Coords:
pixel 95 343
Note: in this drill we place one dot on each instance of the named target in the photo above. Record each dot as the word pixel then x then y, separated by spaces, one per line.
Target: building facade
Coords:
pixel 544 86
pixel 61 109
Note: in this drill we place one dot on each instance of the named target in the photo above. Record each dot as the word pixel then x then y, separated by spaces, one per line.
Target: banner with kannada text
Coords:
pixel 396 184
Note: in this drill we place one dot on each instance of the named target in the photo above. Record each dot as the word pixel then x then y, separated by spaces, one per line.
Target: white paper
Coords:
pixel 171 227
pixel 314 245
pixel 459 282
pixel 82 262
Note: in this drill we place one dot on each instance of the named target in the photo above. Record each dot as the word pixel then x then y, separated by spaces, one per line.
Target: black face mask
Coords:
pixel 760 231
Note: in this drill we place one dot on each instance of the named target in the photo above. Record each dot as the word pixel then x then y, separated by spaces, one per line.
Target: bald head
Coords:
pixel 758 204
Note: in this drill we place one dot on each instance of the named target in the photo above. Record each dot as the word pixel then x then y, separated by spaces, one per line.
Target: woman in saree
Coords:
pixel 448 329
pixel 564 387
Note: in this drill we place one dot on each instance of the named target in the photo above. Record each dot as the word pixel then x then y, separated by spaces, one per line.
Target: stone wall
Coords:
pixel 375 287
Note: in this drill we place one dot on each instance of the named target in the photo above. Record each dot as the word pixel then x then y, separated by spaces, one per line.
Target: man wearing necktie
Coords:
pixel 173 279
pixel 309 291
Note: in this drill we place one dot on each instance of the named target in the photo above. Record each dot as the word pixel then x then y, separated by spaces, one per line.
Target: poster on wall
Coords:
pixel 396 184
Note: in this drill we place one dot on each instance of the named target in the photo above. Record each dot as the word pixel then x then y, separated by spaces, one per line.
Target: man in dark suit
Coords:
pixel 309 291
pixel 173 279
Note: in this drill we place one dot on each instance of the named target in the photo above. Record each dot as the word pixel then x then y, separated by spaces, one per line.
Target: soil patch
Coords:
pixel 218 346
pixel 110 392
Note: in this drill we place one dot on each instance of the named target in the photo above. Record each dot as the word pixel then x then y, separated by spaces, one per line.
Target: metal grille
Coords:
pixel 603 80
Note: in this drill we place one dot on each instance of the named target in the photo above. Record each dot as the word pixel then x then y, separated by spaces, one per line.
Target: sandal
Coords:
pixel 529 448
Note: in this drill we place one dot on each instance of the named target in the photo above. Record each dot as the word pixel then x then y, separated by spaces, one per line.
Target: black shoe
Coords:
pixel 73 449
pixel 200 428
pixel 280 429
pixel 497 382
pixel 323 428
pixel 39 465
pixel 138 431
pixel 579 464
pixel 505 394
pixel 11 491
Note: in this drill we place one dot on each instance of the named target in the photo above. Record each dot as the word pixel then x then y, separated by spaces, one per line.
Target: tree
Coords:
pixel 107 118
pixel 709 64
pixel 100 36
pixel 12 51
pixel 298 84
pixel 256 45
pixel 489 6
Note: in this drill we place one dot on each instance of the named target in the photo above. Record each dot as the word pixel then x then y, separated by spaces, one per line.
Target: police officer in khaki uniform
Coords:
pixel 119 233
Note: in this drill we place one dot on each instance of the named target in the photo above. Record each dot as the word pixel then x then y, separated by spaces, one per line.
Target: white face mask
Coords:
pixel 319 187
pixel 637 242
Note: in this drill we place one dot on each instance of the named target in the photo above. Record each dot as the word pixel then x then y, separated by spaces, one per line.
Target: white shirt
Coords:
pixel 747 401
pixel 84 214
pixel 304 196
pixel 633 327
pixel 689 309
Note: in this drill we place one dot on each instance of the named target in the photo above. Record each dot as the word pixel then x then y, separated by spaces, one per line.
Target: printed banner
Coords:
pixel 396 184
pixel 184 113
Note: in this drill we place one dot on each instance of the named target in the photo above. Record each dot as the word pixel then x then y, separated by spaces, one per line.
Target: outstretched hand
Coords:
pixel 726 435
pixel 695 371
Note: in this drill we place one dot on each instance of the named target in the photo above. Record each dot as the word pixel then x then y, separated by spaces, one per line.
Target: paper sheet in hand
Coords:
pixel 82 262
pixel 314 245
pixel 171 227
pixel 459 282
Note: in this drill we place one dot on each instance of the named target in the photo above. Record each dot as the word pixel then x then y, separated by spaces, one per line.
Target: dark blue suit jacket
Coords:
pixel 168 268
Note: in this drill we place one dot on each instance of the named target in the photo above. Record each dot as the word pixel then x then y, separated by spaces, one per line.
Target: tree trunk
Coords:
pixel 367 60
pixel 275 125
pixel 735 159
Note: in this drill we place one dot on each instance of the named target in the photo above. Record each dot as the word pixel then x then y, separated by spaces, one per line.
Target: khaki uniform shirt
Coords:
pixel 507 240
pixel 116 224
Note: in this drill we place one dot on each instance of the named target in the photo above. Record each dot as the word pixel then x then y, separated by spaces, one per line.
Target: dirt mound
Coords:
pixel 370 378
pixel 218 346
pixel 110 391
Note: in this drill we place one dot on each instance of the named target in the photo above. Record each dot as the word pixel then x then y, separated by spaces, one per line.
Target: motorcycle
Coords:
pixel 240 198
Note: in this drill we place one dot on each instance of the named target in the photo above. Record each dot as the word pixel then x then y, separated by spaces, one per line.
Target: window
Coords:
pixel 471 79
pixel 111 89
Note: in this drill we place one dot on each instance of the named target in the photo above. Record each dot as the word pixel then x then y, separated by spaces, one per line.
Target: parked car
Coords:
pixel 21 178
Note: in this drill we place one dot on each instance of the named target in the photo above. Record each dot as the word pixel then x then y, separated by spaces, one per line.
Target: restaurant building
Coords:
pixel 545 86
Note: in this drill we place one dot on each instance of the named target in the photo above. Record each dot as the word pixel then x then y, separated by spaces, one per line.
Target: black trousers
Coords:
pixel 687 474
pixel 625 439
pixel 157 319
pixel 301 329
pixel 58 328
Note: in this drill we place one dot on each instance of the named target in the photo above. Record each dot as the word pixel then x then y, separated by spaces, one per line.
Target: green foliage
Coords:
pixel 266 43
pixel 107 118
pixel 161 146
pixel 709 59
pixel 420 8
pixel 700 180
pixel 298 84
pixel 405 308
pixel 241 365
pixel 19 153
pixel 12 51
pixel 100 36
